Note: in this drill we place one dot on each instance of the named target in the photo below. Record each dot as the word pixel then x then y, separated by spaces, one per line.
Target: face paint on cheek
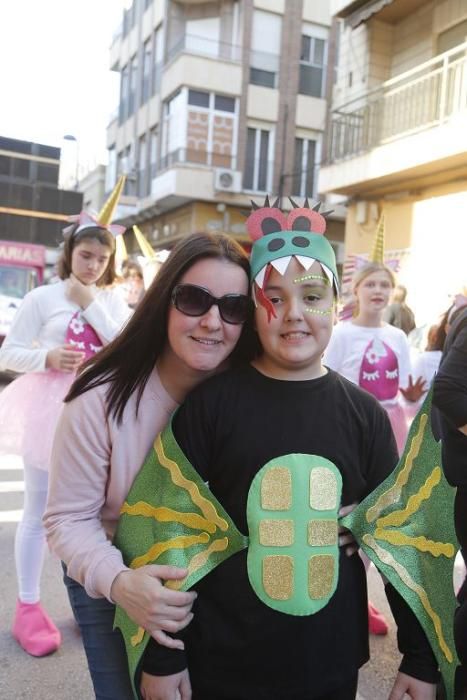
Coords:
pixel 320 312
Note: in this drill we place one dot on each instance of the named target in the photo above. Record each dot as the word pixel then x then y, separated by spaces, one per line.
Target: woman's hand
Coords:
pixel 414 391
pixel 143 596
pixel 415 689
pixel 346 538
pixel 64 358
pixel 176 687
pixel 79 293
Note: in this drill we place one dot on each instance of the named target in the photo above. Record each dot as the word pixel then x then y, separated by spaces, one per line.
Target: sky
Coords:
pixel 54 73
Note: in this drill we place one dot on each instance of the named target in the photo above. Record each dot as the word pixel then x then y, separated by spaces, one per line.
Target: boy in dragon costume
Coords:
pixel 275 449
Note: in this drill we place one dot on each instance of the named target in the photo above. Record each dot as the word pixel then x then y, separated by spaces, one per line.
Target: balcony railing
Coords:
pixel 189 43
pixel 426 96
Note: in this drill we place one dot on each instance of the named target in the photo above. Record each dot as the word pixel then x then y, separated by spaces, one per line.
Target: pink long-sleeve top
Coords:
pixel 94 463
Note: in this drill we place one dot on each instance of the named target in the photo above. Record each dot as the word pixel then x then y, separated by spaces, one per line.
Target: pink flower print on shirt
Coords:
pixel 379 371
pixel 82 336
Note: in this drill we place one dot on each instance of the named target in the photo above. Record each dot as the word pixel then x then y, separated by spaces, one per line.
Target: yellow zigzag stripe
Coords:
pixel 421 543
pixel 203 504
pixel 402 572
pixel 138 637
pixel 393 494
pixel 176 543
pixel 398 517
pixel 199 560
pixel 167 515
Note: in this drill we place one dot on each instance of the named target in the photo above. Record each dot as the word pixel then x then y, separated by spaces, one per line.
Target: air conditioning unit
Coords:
pixel 227 180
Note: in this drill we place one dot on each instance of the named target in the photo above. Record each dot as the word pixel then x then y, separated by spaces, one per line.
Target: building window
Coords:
pixel 111 170
pixel 200 127
pixel 304 175
pixel 157 60
pixel 224 104
pixel 153 153
pixel 124 89
pixel 265 49
pixel 126 22
pixel 146 76
pixel 143 179
pixel 312 66
pixel 132 85
pixel 203 35
pixel 198 98
pixel 257 163
pixel 129 170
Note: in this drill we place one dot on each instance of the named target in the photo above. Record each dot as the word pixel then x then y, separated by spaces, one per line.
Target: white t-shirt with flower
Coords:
pixel 377 359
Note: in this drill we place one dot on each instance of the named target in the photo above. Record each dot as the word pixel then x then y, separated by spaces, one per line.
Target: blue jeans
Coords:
pixel 104 647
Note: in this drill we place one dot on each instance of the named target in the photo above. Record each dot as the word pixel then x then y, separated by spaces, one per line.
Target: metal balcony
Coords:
pixel 427 96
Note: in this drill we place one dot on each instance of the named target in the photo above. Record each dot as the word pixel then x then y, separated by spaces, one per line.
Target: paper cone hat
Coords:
pixel 377 255
pixel 145 247
pixel 107 212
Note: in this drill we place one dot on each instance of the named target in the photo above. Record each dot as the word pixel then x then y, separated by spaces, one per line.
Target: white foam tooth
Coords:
pixel 281 264
pixel 259 279
pixel 304 261
pixel 328 274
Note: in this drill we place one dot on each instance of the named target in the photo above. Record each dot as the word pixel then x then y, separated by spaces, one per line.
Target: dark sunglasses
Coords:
pixel 192 300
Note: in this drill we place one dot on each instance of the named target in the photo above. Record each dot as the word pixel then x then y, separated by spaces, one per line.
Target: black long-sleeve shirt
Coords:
pixel 237 648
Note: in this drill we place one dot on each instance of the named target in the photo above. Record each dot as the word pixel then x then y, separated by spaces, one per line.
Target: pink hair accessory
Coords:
pixel 85 221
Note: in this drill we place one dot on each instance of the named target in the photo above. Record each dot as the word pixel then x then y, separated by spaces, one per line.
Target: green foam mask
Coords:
pixel 278 238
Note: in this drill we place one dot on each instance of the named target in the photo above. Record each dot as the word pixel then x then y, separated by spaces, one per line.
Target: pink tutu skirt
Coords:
pixel 399 424
pixel 29 411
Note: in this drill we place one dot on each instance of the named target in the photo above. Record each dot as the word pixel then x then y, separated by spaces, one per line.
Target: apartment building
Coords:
pixel 221 102
pixel 397 139
pixel 32 207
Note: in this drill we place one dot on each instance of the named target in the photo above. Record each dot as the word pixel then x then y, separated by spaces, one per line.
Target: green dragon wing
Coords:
pixel 196 533
pixel 406 527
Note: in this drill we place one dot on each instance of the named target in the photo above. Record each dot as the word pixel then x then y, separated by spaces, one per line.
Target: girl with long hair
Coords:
pixel 56 328
pixel 189 325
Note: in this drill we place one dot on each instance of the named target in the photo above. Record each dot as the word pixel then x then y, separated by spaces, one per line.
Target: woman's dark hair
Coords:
pixel 127 362
pixel 102 236
pixel 437 335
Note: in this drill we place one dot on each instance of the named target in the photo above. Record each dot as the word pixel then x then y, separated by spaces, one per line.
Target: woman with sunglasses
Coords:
pixel 189 325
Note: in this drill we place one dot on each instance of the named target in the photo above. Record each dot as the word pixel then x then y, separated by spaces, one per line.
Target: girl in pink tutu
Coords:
pixel 57 328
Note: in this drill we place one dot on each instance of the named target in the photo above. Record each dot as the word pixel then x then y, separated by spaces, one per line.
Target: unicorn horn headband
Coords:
pixel 104 217
pixel 377 254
